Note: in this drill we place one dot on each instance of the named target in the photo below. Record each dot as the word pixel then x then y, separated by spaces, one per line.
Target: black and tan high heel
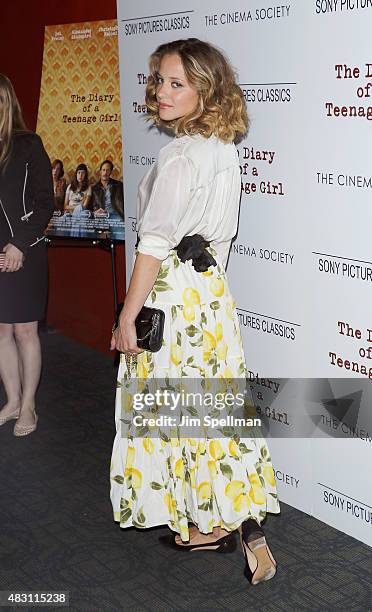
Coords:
pixel 226 544
pixel 259 562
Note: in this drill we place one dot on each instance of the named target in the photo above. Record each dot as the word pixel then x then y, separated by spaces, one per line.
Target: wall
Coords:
pixel 81 295
pixel 300 267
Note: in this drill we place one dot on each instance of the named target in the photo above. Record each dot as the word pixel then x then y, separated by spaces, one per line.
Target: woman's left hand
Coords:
pixel 124 338
pixel 13 260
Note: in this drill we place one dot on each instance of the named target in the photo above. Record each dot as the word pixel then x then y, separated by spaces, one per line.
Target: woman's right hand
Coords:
pixel 13 260
pixel 124 338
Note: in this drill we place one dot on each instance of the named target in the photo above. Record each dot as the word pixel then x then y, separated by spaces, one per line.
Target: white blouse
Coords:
pixel 194 188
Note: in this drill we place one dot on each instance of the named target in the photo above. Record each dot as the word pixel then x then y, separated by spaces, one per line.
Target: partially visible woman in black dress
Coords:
pixel 26 204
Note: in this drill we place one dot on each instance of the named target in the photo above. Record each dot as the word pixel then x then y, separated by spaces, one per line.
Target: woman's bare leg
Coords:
pixel 28 343
pixel 202 538
pixel 9 369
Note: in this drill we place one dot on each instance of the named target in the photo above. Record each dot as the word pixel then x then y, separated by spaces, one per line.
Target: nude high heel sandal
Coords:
pixel 259 562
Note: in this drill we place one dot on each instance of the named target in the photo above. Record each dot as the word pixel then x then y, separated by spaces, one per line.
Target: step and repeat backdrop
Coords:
pixel 301 265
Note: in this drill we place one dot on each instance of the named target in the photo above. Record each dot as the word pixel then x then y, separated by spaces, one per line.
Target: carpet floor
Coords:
pixel 57 532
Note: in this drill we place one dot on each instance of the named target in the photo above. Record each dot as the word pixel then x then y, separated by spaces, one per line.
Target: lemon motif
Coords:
pixel 136 478
pixel 269 475
pixel 148 445
pixel 209 344
pixel 176 354
pixel 212 469
pixel 219 332
pixel 141 385
pixel 229 312
pixel 127 402
pixel 204 491
pixel 202 447
pixel 227 373
pixel 234 449
pixel 178 469
pixel 192 478
pixel 142 371
pixel 170 503
pixel 222 351
pixel 184 533
pixel 207 273
pixel 174 442
pixel 130 456
pixel 241 502
pixel 189 313
pixel 216 450
pixel 191 297
pixel 207 384
pixel 209 341
pixel 217 287
pixel 254 480
pixel 234 488
pixel 257 495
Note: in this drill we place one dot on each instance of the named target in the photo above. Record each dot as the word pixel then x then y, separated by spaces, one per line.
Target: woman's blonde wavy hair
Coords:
pixel 11 119
pixel 221 108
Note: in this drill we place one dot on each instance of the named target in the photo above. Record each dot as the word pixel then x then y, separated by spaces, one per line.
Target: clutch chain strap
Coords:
pixel 131 360
pixel 154 327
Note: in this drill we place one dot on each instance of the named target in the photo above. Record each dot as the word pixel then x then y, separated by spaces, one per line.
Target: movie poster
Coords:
pixel 79 122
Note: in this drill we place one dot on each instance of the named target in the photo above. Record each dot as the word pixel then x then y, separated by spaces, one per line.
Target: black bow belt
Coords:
pixel 194 248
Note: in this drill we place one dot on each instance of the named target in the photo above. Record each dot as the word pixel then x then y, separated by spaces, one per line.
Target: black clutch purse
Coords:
pixel 149 327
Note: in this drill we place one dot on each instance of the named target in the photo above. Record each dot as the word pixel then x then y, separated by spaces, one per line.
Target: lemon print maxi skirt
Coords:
pixel 157 479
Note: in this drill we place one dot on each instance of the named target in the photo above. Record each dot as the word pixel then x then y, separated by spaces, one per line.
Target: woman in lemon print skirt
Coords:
pixel 203 488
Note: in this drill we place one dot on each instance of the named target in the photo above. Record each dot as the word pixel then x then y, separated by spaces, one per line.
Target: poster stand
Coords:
pixel 107 244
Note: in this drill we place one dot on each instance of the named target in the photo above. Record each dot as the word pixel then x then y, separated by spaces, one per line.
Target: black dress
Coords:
pixel 26 204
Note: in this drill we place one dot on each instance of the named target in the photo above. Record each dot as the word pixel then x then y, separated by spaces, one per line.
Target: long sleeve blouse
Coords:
pixel 194 188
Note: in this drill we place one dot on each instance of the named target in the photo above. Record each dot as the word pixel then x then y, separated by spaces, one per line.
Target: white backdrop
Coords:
pixel 300 267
